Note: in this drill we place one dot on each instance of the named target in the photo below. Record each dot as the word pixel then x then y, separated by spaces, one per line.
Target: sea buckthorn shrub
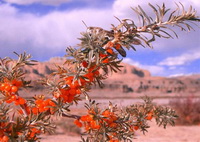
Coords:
pixel 99 53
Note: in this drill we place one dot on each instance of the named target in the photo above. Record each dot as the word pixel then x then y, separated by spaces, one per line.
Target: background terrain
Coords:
pixel 125 88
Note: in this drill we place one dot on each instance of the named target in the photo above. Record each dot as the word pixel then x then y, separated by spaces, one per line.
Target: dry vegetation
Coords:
pixel 188 110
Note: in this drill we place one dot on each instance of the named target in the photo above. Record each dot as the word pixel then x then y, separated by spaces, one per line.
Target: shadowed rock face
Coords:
pixel 130 79
pixel 138 72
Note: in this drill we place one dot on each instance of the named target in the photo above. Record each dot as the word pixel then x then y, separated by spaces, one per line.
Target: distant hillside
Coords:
pixel 130 80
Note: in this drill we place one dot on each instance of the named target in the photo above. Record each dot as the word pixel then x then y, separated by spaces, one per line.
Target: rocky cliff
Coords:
pixel 130 80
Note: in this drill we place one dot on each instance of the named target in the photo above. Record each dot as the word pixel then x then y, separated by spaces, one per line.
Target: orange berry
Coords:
pixel 39 101
pixel 46 102
pixel 113 125
pixel 103 55
pixel 20 111
pixel 13 97
pixel 16 83
pixel 106 113
pixel 90 76
pixel 51 103
pixel 21 101
pixel 114 117
pixel 84 64
pixel 65 98
pixel 14 89
pixel 149 116
pixel 87 127
pixel 64 92
pixel 82 81
pixel 16 103
pixel 28 111
pixel 110 51
pixel 9 101
pixel 89 118
pixel 83 118
pixel 105 61
pixel 70 98
pixel 35 110
pixel 110 120
pixel 7 87
pixel 117 46
pixel 73 86
pixel 40 105
pixel 72 92
pixel 97 127
pixel 2 88
pixel 96 73
pixel 135 127
pixel 112 140
pixel 32 135
pixel 94 125
pixel 34 129
pixel 91 111
pixel 78 123
pixel 78 91
pixel 69 80
pixel 5 139
pixel 42 109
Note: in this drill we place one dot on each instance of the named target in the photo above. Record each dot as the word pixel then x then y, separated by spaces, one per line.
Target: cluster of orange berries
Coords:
pixel 73 88
pixel 70 91
pixel 109 51
pixel 10 87
pixel 108 118
pixel 149 116
pixel 3 137
pixel 32 134
pixel 104 56
pixel 111 139
pixel 42 105
pixel 88 122
pixel 16 99
pixel 93 72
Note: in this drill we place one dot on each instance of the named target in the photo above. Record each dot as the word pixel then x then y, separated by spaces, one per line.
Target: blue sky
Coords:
pixel 44 28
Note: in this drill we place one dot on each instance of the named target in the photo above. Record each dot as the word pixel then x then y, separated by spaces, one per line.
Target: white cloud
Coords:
pixel 181 60
pixel 155 70
pixel 45 2
pixel 46 35
pixel 54 2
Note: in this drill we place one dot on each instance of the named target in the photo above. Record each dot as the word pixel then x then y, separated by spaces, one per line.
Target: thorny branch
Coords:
pixel 90 63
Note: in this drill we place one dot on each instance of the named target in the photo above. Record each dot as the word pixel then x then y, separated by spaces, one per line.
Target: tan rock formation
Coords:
pixel 130 79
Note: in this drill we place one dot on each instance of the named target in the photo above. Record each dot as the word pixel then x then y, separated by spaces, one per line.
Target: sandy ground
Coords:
pixel 155 134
